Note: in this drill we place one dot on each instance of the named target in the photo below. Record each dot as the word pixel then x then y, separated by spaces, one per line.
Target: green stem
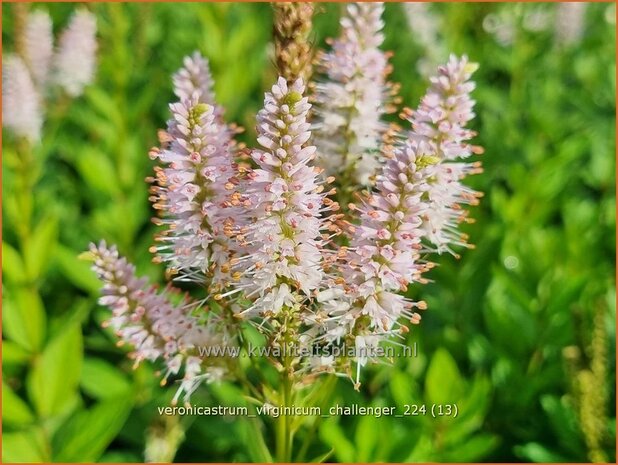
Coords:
pixel 282 433
pixel 284 422
pixel 26 170
pixel 287 401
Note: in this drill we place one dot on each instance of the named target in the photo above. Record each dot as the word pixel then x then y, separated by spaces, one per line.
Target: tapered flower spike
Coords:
pixel 426 30
pixel 154 327
pixel 38 46
pixel 191 189
pixel 417 198
pixel 75 59
pixel 284 243
pixel 384 256
pixel 21 104
pixel 194 77
pixel 440 121
pixel 351 100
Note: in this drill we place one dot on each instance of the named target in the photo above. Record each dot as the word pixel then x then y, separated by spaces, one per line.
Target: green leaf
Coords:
pixel 15 411
pixel 365 438
pixel 54 377
pixel 254 439
pixel 120 457
pixel 86 435
pixel 76 315
pixel 13 354
pixel 13 267
pixel 536 452
pixel 472 410
pixel 24 318
pixel 101 380
pixel 332 434
pixel 77 271
pixel 24 446
pixel 98 171
pixel 402 388
pixel 106 106
pixel 443 384
pixel 473 449
pixel 40 246
pixel 424 450
pixel 322 457
pixel 564 424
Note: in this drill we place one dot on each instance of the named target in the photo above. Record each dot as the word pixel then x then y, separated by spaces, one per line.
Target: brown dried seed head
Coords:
pixel 291 29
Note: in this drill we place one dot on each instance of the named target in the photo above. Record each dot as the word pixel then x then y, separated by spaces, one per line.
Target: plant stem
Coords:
pixel 287 401
pixel 284 422
pixel 282 431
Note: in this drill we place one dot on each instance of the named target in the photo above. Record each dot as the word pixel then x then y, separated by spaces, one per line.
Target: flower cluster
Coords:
pixel 414 209
pixel 570 22
pixel 353 97
pixel 384 254
pixel 75 59
pixel 440 121
pixel 286 200
pixel 156 328
pixel 21 103
pixel 192 187
pixel 285 259
pixel 425 25
pixel 39 46
pixel 265 237
pixel 28 76
pixel 194 77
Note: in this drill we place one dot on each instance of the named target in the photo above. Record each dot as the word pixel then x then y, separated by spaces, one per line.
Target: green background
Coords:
pixel 520 332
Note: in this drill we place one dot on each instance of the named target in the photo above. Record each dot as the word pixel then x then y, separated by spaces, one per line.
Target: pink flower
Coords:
pixel 417 197
pixel 38 46
pixel 352 99
pixel 191 189
pixel 283 240
pixel 155 328
pixel 21 103
pixel 194 77
pixel 440 122
pixel 75 59
pixel 384 252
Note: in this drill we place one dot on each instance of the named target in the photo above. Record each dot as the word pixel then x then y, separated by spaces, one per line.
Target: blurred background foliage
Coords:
pixel 520 333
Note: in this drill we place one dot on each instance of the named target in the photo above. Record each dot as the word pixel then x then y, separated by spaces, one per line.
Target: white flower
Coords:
pixel 384 252
pixel 38 46
pixel 417 197
pixel 154 327
pixel 21 105
pixel 351 100
pixel 570 22
pixel 75 59
pixel 191 189
pixel 283 242
pixel 425 27
pixel 194 77
pixel 440 123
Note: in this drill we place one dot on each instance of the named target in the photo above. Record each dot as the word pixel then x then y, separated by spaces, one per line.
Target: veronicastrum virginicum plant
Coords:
pixel 262 230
